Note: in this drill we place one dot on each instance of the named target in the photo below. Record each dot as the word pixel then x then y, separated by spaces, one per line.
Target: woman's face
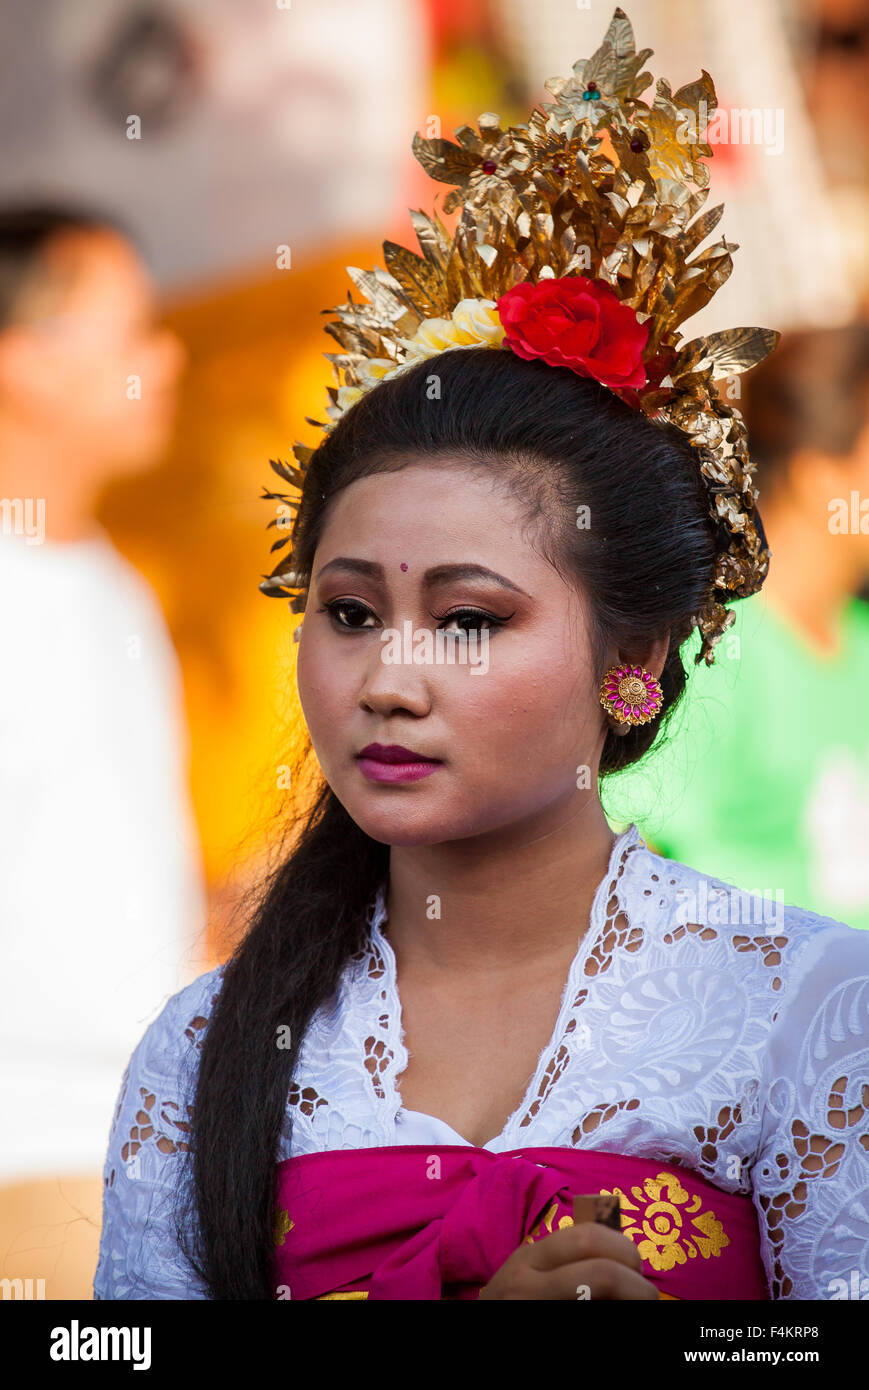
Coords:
pixel 517 738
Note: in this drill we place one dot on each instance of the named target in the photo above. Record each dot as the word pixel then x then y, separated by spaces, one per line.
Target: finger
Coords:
pixel 596 1280
pixel 586 1240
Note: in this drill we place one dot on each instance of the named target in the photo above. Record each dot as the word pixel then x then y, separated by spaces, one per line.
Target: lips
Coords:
pixel 393 753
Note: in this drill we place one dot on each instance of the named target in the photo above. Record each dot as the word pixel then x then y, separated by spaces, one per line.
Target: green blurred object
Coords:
pixel 762 778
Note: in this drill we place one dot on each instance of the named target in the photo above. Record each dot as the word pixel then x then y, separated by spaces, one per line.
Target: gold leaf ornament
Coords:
pixel 598 182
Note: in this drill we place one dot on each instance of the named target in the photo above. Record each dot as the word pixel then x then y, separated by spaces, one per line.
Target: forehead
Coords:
pixel 80 271
pixel 428 513
pixel 423 498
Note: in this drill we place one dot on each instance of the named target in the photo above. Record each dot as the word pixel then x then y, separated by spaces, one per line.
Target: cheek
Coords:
pixel 526 718
pixel 103 391
pixel 306 680
pixel 323 694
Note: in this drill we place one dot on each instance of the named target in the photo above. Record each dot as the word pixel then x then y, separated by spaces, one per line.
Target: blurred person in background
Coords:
pixel 835 73
pixel 764 778
pixel 101 898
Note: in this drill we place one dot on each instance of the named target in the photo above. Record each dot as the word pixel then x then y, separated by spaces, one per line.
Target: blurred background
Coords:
pixel 182 184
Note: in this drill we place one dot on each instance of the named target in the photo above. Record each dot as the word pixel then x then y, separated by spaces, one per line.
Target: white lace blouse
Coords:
pixel 699 1025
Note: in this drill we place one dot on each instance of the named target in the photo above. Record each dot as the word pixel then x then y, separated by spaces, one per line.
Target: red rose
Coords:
pixel 577 323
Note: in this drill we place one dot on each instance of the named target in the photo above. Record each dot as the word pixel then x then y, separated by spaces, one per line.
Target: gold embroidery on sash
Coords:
pixel 661 1234
pixel 283 1225
pixel 656 1224
pixel 546 1224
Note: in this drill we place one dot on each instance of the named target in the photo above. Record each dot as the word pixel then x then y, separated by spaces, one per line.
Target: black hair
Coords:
pixel 646 563
pixel 26 231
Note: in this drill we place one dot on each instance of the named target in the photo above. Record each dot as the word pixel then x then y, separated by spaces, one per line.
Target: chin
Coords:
pixel 396 825
pixel 401 826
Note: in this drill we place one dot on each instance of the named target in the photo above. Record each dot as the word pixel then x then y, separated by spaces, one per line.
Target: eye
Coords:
pixel 473 613
pixel 350 615
pixel 351 606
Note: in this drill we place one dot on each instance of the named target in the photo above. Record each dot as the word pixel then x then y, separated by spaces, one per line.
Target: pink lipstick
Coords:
pixel 393 763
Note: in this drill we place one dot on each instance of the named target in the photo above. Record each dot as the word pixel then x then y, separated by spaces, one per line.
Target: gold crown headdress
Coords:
pixel 589 211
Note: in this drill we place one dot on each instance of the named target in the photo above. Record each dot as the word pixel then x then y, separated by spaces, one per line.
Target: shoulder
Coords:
pixel 159 1080
pixel 146 1179
pixel 176 1032
pixel 778 996
pixel 813 970
pixel 194 1003
pixel 751 925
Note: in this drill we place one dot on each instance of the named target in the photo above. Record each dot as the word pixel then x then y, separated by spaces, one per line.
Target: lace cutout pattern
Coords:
pixel 307 1100
pixel 818 1163
pixel 600 1115
pixel 770 948
pixel 685 1035
pixel 147 1126
pixel 615 933
pixel 145 1171
pixel 377 1060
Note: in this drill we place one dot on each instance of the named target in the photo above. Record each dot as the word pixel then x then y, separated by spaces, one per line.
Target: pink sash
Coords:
pixel 431 1222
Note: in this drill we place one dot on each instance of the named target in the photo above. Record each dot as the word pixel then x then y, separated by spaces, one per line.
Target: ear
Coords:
pixel 651 655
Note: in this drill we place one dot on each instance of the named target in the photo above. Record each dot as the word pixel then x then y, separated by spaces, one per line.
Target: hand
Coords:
pixel 585 1254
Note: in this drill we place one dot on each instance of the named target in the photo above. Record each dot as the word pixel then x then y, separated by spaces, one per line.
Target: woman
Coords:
pixel 463 1005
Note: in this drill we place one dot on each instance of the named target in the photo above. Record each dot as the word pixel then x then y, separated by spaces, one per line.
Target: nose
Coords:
pixel 391 685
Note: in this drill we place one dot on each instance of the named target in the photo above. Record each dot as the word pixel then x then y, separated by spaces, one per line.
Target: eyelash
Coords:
pixel 333 607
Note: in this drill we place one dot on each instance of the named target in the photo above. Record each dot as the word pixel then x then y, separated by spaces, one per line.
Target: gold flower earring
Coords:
pixel 630 695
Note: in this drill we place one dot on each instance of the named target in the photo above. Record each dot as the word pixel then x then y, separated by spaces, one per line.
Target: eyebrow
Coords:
pixel 437 575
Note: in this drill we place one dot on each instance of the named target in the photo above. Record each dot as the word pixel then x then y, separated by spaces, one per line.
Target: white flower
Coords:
pixel 347 396
pixel 373 369
pixel 473 323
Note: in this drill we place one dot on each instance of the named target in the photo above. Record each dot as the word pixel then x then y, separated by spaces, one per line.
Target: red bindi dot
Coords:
pixel 403 565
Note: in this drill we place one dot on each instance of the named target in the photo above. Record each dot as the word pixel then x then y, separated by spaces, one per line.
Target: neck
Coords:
pixel 508 900
pixel 41 473
pixel 811 575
